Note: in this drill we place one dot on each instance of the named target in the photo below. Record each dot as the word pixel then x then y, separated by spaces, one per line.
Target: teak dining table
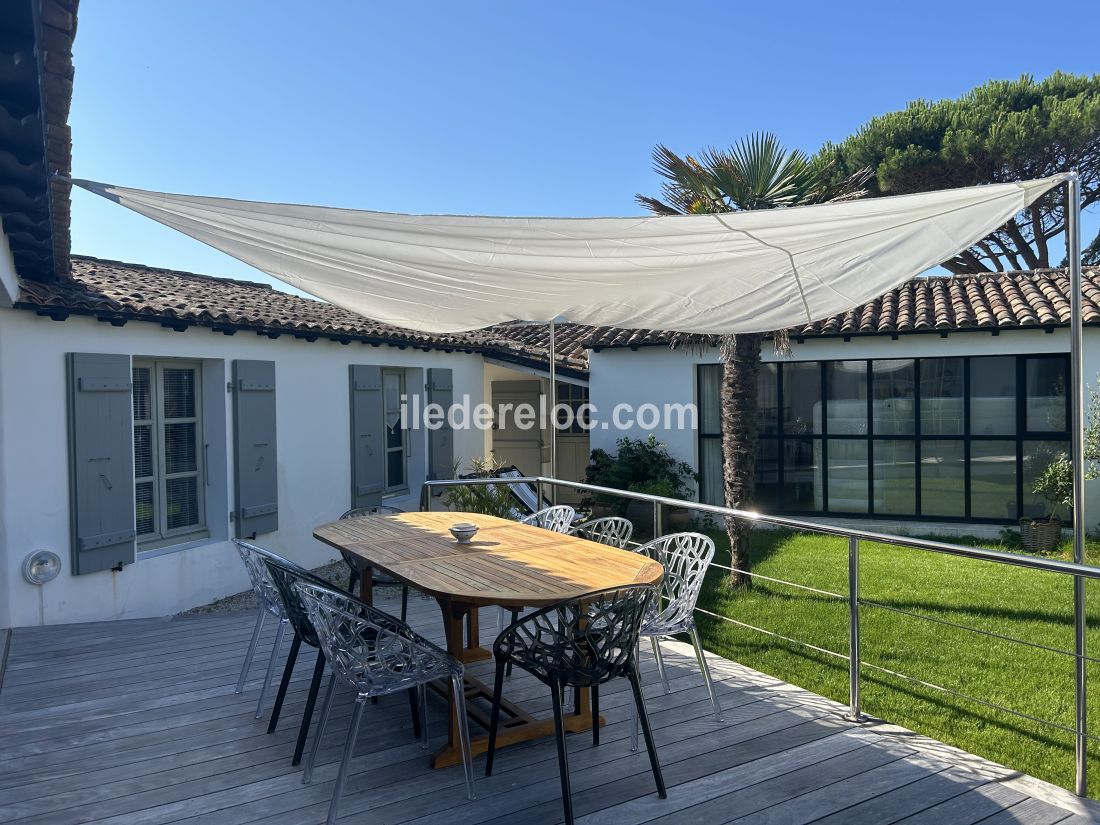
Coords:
pixel 507 564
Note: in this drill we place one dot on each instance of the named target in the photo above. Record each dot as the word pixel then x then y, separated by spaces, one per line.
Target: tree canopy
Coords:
pixel 1004 130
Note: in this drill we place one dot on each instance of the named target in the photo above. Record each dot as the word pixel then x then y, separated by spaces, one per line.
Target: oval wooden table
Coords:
pixel 507 564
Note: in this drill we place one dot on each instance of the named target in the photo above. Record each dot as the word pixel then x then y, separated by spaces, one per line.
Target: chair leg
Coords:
pixel 424 738
pixel 322 723
pixel 494 719
pixel 414 706
pixel 634 709
pixel 271 666
pixel 288 669
pixel 595 691
pixel 404 603
pixel 251 650
pixel 513 620
pixel 706 673
pixel 660 663
pixel 459 686
pixel 353 579
pixel 643 716
pixel 563 756
pixel 349 748
pixel 307 715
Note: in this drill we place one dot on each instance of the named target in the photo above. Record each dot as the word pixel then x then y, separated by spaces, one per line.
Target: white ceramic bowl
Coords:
pixel 463 532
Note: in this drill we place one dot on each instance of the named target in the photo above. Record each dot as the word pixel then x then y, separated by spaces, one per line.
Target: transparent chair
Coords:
pixel 353 563
pixel 271 604
pixel 685 557
pixel 614 531
pixel 558 518
pixel 579 643
pixel 375 654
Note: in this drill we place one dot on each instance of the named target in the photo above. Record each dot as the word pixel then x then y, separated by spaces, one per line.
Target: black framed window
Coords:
pixel 960 437
pixel 575 396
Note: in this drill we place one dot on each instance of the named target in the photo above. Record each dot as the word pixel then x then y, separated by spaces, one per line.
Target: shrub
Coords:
pixel 641 467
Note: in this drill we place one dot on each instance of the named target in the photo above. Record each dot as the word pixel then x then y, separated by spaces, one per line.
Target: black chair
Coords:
pixel 377 578
pixel 286 574
pixel 580 643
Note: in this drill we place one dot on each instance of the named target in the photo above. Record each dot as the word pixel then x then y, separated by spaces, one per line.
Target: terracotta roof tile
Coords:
pixel 997 301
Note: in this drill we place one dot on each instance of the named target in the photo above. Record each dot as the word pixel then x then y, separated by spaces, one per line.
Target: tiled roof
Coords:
pixel 117 293
pixel 1011 300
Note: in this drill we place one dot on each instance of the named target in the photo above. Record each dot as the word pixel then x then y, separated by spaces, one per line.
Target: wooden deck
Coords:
pixel 136 723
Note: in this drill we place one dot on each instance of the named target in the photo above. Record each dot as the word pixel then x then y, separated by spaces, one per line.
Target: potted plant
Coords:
pixel 490 499
pixel 1055 485
pixel 640 466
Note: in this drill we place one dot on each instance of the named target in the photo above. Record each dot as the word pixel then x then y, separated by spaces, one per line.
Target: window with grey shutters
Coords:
pixel 255 455
pixel 168 451
pixel 441 452
pixel 101 461
pixel 368 441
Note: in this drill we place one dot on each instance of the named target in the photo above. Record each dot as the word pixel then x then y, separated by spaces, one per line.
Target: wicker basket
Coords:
pixel 1040 535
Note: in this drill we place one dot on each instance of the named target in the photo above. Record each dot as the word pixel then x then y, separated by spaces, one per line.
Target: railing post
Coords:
pixel 538 493
pixel 425 499
pixel 658 521
pixel 854 711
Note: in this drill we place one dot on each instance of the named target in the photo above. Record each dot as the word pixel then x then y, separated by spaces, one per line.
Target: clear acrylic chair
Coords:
pixel 558 518
pixel 685 557
pixel 271 604
pixel 353 563
pixel 376 655
pixel 579 643
pixel 614 531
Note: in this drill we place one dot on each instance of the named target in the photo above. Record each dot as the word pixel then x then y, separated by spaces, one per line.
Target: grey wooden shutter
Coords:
pixel 255 456
pixel 441 442
pixel 368 438
pixel 101 453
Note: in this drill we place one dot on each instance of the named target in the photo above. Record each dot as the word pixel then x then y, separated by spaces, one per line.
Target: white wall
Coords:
pixel 313 448
pixel 656 374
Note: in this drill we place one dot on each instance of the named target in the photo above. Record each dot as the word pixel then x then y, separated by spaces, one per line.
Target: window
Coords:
pixel 168 439
pixel 944 438
pixel 393 388
pixel 575 397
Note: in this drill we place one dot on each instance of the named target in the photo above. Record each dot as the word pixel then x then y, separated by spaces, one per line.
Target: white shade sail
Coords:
pixel 728 273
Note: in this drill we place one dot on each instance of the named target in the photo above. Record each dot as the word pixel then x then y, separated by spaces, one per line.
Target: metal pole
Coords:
pixel 553 415
pixel 854 711
pixel 1077 367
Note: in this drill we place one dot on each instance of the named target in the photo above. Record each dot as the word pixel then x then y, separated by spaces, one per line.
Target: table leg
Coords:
pixel 366 581
pixel 516 725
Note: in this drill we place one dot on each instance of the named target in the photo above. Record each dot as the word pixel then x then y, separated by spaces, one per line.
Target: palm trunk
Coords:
pixel 739 435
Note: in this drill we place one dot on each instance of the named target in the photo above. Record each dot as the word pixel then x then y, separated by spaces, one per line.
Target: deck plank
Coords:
pixel 136 723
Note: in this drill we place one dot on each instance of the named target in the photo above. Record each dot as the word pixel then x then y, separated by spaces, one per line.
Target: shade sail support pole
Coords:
pixel 553 413
pixel 1077 367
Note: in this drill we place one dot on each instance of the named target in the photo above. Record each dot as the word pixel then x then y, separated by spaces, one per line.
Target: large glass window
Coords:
pixel 168 499
pixel 940 438
pixel 393 388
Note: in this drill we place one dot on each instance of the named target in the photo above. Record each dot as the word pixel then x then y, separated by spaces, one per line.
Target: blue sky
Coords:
pixel 506 108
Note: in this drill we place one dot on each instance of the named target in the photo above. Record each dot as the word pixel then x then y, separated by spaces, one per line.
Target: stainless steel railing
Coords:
pixel 1079 572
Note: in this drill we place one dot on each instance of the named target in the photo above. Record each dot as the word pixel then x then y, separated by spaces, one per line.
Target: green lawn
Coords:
pixel 1012 601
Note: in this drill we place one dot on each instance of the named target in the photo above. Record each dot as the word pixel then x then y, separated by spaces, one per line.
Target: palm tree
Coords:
pixel 755 173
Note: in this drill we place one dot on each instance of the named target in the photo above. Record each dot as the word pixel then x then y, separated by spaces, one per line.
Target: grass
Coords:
pixel 1025 604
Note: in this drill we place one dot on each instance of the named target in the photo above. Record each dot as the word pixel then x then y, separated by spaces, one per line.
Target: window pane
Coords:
pixel 179 393
pixel 179 448
pixel 395 470
pixel 847 398
pixel 993 395
pixel 710 471
pixel 1038 455
pixel 767 475
pixel 802 474
pixel 895 477
pixel 1046 394
pixel 143 501
pixel 993 479
pixel 847 476
pixel 143 450
pixel 182 504
pixel 143 398
pixel 941 396
pixel 767 398
pixel 802 398
pixel 894 384
pixel 391 390
pixel 710 377
pixel 942 476
pixel 395 436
